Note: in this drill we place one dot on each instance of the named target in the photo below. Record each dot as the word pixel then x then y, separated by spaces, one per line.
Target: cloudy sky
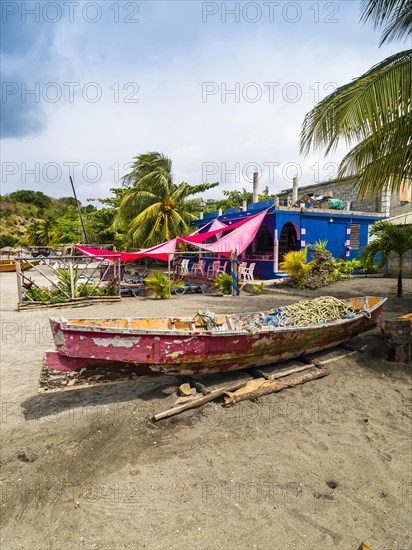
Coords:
pixel 219 87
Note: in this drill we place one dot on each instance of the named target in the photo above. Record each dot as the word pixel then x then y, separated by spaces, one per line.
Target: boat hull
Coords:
pixel 8 266
pixel 199 352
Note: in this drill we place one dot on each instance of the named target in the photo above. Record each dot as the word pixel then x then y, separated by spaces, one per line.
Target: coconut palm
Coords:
pixel 389 238
pixel 373 112
pixel 154 208
pixel 39 233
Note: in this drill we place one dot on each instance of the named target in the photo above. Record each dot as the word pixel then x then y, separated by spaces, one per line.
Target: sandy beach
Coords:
pixel 325 465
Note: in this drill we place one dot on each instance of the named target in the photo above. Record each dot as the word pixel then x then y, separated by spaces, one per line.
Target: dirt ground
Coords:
pixel 325 465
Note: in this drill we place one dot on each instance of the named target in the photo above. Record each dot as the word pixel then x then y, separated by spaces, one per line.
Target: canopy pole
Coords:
pixel 168 271
pixel 234 285
pixel 275 251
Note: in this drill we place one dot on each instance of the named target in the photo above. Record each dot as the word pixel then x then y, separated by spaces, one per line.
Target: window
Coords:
pixel 354 235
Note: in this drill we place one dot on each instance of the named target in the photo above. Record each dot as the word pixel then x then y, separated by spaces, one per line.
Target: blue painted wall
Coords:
pixel 311 226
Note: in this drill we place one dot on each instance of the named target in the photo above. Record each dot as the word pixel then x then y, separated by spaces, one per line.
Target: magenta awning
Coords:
pixel 241 235
pixel 239 239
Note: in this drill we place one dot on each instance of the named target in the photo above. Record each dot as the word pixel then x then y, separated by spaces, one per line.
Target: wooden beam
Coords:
pixel 275 387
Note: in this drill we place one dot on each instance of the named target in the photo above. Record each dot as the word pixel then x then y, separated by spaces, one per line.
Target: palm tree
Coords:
pixel 389 238
pixel 373 112
pixel 39 233
pixel 154 209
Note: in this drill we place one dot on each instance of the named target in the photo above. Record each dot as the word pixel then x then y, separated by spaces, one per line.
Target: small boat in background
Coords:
pixel 204 343
pixel 10 265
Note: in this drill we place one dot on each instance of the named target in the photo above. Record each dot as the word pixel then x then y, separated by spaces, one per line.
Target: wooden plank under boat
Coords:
pixel 183 345
pixel 7 266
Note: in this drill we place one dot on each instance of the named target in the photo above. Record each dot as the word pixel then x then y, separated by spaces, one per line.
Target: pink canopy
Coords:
pixel 159 252
pixel 241 235
pixel 100 254
pixel 239 239
pixel 217 224
pixel 200 237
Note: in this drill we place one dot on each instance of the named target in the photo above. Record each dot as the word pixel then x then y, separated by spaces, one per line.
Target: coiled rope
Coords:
pixel 311 312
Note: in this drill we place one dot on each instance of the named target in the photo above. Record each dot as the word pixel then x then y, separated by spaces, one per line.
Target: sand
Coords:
pixel 326 465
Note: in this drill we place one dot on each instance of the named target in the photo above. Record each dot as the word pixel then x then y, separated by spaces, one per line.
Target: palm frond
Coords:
pixel 393 16
pixel 372 112
pixel 134 202
pixel 153 208
pixel 377 168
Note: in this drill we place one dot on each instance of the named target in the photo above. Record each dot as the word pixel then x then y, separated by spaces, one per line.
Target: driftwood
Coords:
pixel 337 357
pixel 270 385
pixel 72 302
pixel 284 373
pixel 199 401
pixel 274 387
pixel 237 385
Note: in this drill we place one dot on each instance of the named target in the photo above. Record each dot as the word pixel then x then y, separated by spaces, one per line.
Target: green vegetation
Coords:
pixel 389 238
pixel 159 285
pixel 32 197
pixel 33 218
pixel 372 114
pixel 323 270
pixel 235 199
pixel 295 264
pixel 63 290
pixel 258 288
pixel 153 209
pixel 51 222
pixel 223 283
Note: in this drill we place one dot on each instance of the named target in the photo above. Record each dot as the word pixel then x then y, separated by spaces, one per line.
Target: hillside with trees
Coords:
pixel 33 218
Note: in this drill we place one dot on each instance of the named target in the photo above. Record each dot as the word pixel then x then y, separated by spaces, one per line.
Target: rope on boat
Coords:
pixel 311 312
pixel 324 309
pixel 207 318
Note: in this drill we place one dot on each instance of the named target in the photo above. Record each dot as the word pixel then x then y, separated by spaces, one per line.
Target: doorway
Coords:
pixel 288 240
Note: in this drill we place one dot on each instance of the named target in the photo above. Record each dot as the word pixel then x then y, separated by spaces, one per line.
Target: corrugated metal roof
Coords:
pixel 401 219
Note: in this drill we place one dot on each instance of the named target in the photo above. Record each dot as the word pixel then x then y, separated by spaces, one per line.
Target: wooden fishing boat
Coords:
pixel 187 345
pixel 7 266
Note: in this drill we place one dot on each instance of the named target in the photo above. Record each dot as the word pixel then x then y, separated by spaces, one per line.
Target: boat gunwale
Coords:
pixel 65 326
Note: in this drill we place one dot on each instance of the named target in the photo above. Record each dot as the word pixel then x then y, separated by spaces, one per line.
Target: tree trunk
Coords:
pixel 400 277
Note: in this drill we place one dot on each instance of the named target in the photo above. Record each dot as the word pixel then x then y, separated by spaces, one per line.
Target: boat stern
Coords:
pixel 58 335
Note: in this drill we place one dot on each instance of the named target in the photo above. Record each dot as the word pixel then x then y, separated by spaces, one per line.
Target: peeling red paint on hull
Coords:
pixel 194 351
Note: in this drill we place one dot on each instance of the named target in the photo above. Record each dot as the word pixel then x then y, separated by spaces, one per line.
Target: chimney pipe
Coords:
pixel 295 190
pixel 255 187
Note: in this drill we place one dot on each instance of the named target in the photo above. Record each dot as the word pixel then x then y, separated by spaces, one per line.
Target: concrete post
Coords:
pixel 295 190
pixel 255 187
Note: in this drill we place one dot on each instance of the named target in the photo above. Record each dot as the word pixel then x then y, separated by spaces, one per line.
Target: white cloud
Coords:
pixel 171 116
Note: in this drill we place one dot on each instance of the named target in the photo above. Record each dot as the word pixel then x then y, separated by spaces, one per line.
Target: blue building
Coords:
pixel 290 228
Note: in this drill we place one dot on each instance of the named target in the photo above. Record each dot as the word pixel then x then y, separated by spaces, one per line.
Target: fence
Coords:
pixel 70 280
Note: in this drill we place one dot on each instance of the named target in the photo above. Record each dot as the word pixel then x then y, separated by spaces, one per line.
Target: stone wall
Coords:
pixel 391 269
pixel 348 192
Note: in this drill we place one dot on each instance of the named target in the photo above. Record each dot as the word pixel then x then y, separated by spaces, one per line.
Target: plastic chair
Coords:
pixel 184 267
pixel 199 268
pixel 211 270
pixel 221 269
pixel 247 273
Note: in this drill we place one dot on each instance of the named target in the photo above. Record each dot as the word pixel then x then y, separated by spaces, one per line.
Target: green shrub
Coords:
pixel 38 294
pixel 8 240
pixel 258 288
pixel 347 267
pixel 159 285
pixel 295 264
pixel 223 283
